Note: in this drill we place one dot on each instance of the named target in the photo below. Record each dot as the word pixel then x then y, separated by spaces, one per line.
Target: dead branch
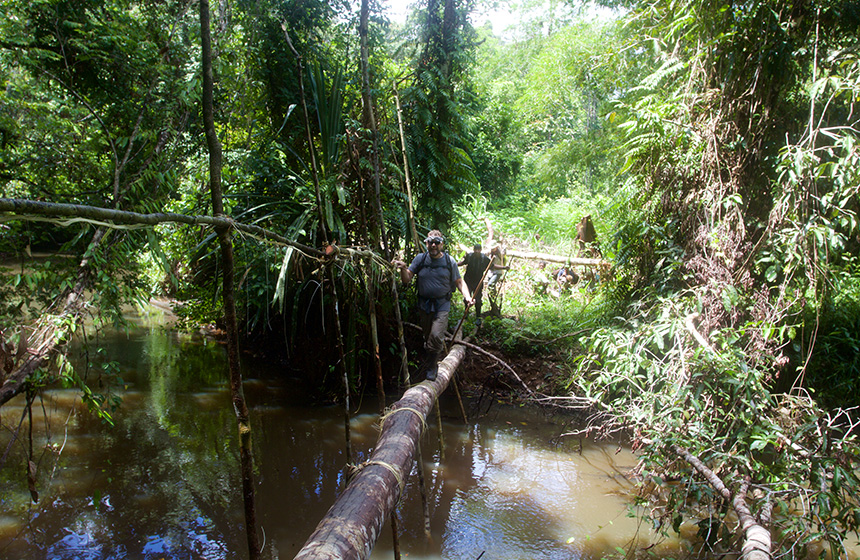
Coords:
pixel 501 362
pixel 480 350
pixel 691 328
pixel 757 539
pixel 26 209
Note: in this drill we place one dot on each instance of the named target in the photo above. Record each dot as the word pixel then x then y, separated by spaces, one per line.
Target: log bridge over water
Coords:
pixel 351 527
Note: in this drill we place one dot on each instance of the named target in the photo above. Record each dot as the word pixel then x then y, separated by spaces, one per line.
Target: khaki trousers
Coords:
pixel 434 326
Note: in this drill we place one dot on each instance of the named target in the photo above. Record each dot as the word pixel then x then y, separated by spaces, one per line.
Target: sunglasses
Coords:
pixel 434 241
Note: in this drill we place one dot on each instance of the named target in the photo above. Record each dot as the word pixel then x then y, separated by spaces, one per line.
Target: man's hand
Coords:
pixel 405 274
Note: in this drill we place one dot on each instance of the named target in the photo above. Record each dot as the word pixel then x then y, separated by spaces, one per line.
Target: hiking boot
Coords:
pixel 432 370
pixel 429 365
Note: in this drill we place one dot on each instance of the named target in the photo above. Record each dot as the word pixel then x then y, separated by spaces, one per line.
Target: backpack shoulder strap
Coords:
pixel 423 260
pixel 449 260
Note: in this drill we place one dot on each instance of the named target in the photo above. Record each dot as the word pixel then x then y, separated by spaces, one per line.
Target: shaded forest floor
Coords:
pixel 483 374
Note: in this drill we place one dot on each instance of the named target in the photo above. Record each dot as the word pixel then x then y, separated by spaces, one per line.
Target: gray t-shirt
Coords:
pixel 436 281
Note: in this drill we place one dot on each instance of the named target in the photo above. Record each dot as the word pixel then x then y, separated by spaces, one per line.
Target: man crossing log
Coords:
pixel 438 276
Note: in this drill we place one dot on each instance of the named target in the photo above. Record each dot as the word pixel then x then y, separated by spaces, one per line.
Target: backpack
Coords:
pixel 449 260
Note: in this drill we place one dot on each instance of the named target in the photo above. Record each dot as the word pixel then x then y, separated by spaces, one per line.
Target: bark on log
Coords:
pixel 556 258
pixel 350 528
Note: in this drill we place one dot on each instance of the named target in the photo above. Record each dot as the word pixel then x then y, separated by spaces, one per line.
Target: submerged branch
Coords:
pixel 757 540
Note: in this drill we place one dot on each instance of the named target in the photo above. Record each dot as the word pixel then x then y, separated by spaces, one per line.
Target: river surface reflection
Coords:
pixel 163 482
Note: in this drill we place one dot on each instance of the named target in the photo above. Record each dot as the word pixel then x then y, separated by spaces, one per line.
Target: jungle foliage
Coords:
pixel 714 144
pixel 737 255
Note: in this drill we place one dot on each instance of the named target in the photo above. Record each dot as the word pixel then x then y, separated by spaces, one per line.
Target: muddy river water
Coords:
pixel 162 482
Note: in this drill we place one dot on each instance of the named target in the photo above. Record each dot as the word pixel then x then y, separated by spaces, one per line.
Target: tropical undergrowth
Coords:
pixel 736 263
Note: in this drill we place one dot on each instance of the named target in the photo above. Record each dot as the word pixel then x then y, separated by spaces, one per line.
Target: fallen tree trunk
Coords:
pixel 350 528
pixel 556 258
pixel 52 329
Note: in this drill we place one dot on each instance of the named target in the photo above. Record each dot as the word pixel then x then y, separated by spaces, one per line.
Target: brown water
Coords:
pixel 163 482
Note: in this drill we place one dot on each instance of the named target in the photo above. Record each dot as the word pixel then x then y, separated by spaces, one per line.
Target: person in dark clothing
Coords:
pixel 476 263
pixel 565 279
pixel 438 276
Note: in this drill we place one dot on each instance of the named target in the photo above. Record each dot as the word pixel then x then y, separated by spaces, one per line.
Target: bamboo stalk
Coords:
pixel 460 400
pixel 377 362
pixel 404 357
pixel 439 432
pixel 314 173
pixel 422 485
pixel 416 242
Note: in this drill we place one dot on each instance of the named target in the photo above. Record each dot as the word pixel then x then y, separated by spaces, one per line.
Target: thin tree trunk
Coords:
pixel 342 359
pixel 374 337
pixel 401 338
pixel 314 174
pixel 439 432
pixel 224 239
pixel 415 241
pixel 460 401
pixel 370 122
pixel 422 487
pixel 350 528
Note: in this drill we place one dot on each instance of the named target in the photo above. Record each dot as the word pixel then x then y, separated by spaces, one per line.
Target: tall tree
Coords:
pixel 225 240
pixel 437 103
pixel 733 240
